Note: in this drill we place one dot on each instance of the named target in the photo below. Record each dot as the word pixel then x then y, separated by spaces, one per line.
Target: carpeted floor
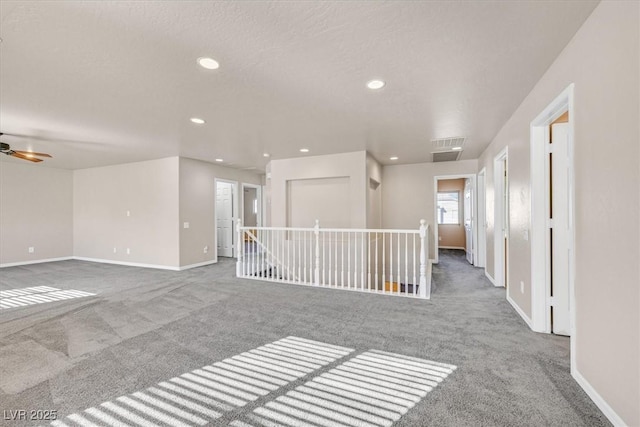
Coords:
pixel 145 327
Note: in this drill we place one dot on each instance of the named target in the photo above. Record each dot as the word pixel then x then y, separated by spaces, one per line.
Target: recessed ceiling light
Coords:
pixel 393 158
pixel 208 63
pixel 219 160
pixel 267 155
pixel 197 120
pixel 375 84
pixel 304 150
pixel 456 148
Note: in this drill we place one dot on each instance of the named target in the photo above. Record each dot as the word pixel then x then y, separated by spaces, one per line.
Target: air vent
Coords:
pixel 447 149
pixel 446 156
pixel 446 144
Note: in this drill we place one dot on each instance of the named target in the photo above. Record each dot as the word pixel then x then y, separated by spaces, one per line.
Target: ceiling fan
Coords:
pixel 24 155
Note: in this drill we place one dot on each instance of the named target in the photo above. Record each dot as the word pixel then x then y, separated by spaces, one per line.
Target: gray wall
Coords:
pixel 603 61
pixel 314 169
pixel 409 191
pixel 197 206
pixel 36 210
pixel 149 192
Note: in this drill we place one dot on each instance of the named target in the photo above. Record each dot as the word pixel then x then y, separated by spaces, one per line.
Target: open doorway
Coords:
pixel 251 205
pixel 501 219
pixel 455 213
pixel 552 234
pixel 226 208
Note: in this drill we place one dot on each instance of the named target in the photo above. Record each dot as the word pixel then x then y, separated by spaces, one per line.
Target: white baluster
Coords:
pixel 324 261
pixel 239 271
pixel 335 259
pixel 424 293
pixel 368 261
pixel 348 260
pixel 362 262
pixel 384 259
pixel 406 263
pixel 342 257
pixel 391 262
pixel 316 232
pixel 376 263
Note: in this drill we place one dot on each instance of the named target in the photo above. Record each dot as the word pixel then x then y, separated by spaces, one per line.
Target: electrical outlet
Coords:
pixel 521 287
pixel 525 235
pixel 128 251
pixel 206 249
pixel 128 213
pixel 31 249
pixel 115 250
pixel 186 225
pixel 439 238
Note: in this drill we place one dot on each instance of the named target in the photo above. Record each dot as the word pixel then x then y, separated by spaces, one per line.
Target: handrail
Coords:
pixel 393 262
pixel 333 230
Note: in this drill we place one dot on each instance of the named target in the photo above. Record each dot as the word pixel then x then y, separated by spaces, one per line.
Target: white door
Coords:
pixel 224 218
pixel 468 218
pixel 559 228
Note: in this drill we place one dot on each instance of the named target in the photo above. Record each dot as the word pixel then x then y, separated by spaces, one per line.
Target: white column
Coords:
pixel 240 250
pixel 423 293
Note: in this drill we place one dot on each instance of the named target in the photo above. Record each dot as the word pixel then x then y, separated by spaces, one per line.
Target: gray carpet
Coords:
pixel 148 326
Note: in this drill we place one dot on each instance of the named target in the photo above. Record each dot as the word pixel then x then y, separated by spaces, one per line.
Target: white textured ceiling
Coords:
pixel 101 83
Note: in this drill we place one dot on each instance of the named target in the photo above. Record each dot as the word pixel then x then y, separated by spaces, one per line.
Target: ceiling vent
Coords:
pixel 446 156
pixel 446 144
pixel 447 149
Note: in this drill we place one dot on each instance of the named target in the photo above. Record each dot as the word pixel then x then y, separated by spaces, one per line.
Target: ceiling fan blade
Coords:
pixel 29 153
pixel 23 157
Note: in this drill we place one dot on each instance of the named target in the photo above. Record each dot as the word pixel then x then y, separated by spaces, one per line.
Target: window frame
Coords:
pixel 458 217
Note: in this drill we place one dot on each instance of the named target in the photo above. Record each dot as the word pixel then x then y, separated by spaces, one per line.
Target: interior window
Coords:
pixel 449 207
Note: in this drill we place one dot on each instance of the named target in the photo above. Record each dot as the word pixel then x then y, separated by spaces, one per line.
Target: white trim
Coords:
pixel 491 279
pixel 481 221
pixel 518 310
pixel 500 222
pixel 602 404
pixel 258 189
pixel 198 264
pixel 474 227
pixel 37 261
pixel 109 261
pixel 540 282
pixel 234 216
pixel 452 247
pixel 128 264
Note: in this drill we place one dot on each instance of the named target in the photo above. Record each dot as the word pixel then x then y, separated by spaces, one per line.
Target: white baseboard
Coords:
pixel 452 247
pixel 607 410
pixel 109 261
pixel 518 310
pixel 491 279
pixel 199 264
pixel 128 264
pixel 37 261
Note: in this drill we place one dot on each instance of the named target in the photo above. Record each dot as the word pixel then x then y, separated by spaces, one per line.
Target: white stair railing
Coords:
pixel 391 262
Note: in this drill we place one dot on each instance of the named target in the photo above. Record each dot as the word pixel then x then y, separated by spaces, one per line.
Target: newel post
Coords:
pixel 423 260
pixel 239 248
pixel 316 232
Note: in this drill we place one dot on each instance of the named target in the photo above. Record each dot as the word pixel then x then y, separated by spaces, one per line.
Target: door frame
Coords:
pixel 540 245
pixel 258 196
pixel 234 218
pixel 481 222
pixel 474 227
pixel 500 221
